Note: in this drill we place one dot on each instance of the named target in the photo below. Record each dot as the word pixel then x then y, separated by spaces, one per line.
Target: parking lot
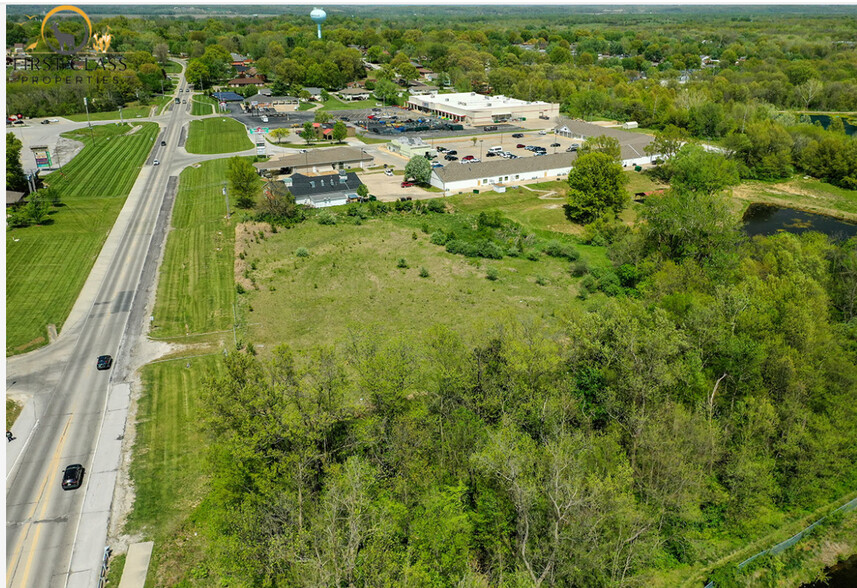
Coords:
pixel 466 147
pixel 274 122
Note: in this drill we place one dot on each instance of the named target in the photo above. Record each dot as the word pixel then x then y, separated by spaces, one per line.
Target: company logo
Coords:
pixel 71 43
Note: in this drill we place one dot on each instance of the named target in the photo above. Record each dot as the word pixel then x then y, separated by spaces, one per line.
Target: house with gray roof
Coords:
pixel 633 144
pixel 411 147
pixel 455 178
pixel 315 161
pixel 322 191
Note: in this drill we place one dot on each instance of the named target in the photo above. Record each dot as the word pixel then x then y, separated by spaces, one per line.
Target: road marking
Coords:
pixel 13 562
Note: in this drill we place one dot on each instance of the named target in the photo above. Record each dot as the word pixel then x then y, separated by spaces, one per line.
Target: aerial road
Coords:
pixel 55 536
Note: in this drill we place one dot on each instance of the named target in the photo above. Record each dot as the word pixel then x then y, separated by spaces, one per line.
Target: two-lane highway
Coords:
pixel 45 525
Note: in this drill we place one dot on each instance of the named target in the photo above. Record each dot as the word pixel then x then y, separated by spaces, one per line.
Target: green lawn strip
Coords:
pixel 115 569
pixel 168 465
pixel 535 210
pixel 351 278
pixel 196 286
pixel 129 113
pixel 306 105
pixel 13 410
pixel 202 105
pixel 217 135
pixel 336 104
pixel 371 140
pixel 47 265
pixel 172 67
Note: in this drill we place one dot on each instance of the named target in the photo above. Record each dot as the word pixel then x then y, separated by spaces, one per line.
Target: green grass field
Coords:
pixel 168 469
pixel 172 67
pixel 337 104
pixel 371 140
pixel 306 105
pixel 129 113
pixel 196 287
pixel 202 105
pixel 46 266
pixel 217 135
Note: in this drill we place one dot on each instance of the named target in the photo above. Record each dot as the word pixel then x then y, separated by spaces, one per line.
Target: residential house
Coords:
pixel 323 191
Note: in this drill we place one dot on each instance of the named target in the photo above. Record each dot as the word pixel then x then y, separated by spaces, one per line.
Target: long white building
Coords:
pixel 461 177
pixel 476 109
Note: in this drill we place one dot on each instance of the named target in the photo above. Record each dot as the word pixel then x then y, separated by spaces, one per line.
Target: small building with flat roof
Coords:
pixel 478 109
pixel 411 147
pixel 633 145
pixel 315 161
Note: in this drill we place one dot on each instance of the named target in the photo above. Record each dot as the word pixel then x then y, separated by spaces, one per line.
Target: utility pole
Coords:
pixel 86 105
pixel 121 120
pixel 226 196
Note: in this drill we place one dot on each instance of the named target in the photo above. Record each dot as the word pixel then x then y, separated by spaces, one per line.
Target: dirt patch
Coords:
pixel 246 235
pixel 36 341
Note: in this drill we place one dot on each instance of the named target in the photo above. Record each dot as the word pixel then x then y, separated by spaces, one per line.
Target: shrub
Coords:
pixel 491 219
pixel 579 268
pixel 424 272
pixel 435 205
pixel 239 288
pixel 326 218
pixel 533 255
pixel 414 235
pixel 589 283
pixel 541 281
pixel 480 248
pixel 439 237
pixel 302 252
pixel 492 274
pixel 557 249
pixel 402 263
pixel 424 228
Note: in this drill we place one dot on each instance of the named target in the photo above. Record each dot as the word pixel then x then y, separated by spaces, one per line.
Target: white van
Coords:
pixel 495 149
pixel 265 119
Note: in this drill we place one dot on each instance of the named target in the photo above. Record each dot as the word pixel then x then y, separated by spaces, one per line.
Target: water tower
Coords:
pixel 318 16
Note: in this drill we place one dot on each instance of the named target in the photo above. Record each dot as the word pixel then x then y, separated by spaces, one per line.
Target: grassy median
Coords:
pixel 217 135
pixel 203 105
pixel 47 265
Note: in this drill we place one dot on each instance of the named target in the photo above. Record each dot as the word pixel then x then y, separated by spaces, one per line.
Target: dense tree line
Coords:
pixel 622 436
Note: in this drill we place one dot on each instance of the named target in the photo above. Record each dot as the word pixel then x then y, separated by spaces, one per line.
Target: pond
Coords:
pixel 824 119
pixel 767 219
pixel 842 575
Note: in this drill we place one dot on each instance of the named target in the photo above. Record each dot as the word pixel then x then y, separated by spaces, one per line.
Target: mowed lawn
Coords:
pixel 202 105
pixel 217 135
pixel 131 112
pixel 196 287
pixel 168 468
pixel 46 266
pixel 351 278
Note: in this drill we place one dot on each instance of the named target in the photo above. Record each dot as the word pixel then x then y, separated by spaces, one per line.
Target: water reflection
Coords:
pixel 766 219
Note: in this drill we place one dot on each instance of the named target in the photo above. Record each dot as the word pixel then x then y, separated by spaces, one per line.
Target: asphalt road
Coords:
pixel 54 538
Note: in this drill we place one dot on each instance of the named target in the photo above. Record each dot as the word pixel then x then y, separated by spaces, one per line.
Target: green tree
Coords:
pixel 322 116
pixel 386 90
pixel 362 191
pixel 243 182
pixel 597 185
pixel 408 72
pixel 697 170
pixel 765 150
pixel 278 201
pixel 197 73
pixel 161 52
pixel 37 208
pixel 340 131
pixel 602 144
pixel 667 142
pixel 308 132
pixel 15 178
pixel 419 169
pixel 278 134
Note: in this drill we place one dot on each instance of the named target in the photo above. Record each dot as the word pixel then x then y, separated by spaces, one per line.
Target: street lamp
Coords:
pixel 480 148
pixel 86 105
pixel 121 120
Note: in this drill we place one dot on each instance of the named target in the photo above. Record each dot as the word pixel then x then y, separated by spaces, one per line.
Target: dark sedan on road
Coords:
pixel 518 136
pixel 72 477
pixel 104 362
pixel 555 145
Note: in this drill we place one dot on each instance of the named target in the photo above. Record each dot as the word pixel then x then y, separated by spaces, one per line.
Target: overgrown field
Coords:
pixel 195 289
pixel 217 135
pixel 46 266
pixel 805 194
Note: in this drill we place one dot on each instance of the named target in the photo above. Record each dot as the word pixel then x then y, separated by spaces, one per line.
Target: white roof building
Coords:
pixel 478 109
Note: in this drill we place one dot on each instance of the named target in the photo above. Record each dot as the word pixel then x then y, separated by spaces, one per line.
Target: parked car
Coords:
pixel 452 152
pixel 156 162
pixel 555 145
pixel 436 164
pixel 543 132
pixel 388 172
pixel 513 156
pixel 450 158
pixel 408 184
pixel 440 149
pixel 491 154
pixel 544 117
pixel 573 147
pixel 46 122
pixel 518 135
pixel 521 146
pixel 104 362
pixel 72 477
pixel 468 158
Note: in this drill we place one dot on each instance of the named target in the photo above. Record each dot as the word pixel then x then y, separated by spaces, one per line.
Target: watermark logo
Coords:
pixel 71 43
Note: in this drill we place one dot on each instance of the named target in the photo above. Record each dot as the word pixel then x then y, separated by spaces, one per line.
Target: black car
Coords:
pixel 555 145
pixel 518 135
pixel 490 154
pixel 104 362
pixel 163 143
pixel 452 152
pixel 72 477
pixel 450 158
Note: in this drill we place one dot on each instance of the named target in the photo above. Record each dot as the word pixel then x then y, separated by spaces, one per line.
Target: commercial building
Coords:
pixel 461 177
pixel 477 109
pixel 322 191
pixel 350 94
pixel 315 161
pixel 411 147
